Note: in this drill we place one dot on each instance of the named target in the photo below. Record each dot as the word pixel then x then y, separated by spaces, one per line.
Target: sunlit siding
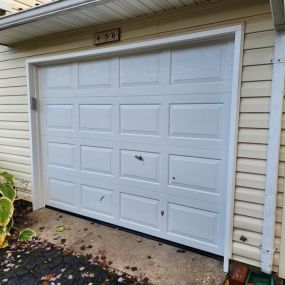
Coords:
pixel 254 104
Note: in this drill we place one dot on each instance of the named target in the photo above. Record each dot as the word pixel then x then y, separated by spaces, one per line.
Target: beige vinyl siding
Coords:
pixel 254 103
pixel 252 147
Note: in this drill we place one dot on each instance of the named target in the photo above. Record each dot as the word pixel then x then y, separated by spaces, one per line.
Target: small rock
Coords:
pixel 138 239
pixel 70 277
pixel 121 280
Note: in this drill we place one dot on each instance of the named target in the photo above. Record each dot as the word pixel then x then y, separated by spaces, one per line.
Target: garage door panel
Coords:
pixel 96 118
pixel 196 121
pixel 139 211
pixel 198 64
pixel 62 192
pixel 96 74
pixel 60 117
pixel 149 69
pixel 140 119
pixel 183 220
pixel 98 201
pixel 195 173
pixel 61 155
pixel 141 140
pixel 58 77
pixel 97 159
pixel 139 165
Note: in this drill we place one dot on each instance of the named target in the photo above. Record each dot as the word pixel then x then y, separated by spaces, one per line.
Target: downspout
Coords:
pixel 274 134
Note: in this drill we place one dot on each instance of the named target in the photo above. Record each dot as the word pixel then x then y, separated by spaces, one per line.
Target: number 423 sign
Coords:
pixel 107 36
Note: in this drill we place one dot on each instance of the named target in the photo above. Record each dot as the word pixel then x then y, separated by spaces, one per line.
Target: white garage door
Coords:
pixel 141 140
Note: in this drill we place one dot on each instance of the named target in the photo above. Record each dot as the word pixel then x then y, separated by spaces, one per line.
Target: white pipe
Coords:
pixel 271 180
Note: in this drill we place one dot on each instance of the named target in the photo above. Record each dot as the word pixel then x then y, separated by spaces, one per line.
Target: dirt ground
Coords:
pixel 158 262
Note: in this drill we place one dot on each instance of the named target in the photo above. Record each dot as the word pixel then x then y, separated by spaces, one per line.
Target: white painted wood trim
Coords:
pixel 34 126
pixel 238 51
pixel 281 271
pixel 235 31
pixel 162 42
pixel 271 179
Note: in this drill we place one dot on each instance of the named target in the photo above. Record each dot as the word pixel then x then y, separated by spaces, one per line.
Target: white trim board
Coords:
pixel 274 136
pixel 235 32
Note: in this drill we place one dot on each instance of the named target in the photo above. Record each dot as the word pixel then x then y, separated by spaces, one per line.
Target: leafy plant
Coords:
pixel 7 198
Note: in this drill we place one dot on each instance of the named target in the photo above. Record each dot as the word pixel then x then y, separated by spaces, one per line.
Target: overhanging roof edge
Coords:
pixel 43 11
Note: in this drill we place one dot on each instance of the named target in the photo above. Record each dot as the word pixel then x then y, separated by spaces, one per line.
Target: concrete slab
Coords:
pixel 161 263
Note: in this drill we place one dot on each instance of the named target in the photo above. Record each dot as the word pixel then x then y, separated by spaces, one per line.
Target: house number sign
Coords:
pixel 107 37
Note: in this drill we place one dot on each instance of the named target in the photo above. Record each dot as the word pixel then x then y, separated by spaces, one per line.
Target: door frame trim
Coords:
pixel 236 32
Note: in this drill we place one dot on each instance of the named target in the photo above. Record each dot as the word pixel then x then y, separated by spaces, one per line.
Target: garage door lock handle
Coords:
pixel 139 157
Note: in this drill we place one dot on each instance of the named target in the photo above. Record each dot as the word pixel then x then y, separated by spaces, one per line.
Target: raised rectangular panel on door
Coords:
pixel 60 117
pixel 196 121
pixel 141 140
pixel 97 201
pixel 59 77
pixel 140 119
pixel 139 211
pixel 96 74
pixel 61 155
pixel 62 193
pixel 95 118
pixel 97 160
pixel 140 166
pixel 183 221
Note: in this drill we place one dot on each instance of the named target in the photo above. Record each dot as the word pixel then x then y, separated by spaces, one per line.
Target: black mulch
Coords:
pixel 22 209
pixel 38 262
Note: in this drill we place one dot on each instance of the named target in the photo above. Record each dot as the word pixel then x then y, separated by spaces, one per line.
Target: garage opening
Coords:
pixel 141 139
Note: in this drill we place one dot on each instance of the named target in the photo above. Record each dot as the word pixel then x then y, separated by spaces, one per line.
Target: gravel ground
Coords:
pixel 40 262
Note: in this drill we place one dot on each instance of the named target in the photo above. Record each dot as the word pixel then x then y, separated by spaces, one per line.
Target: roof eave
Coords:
pixel 43 11
pixel 278 14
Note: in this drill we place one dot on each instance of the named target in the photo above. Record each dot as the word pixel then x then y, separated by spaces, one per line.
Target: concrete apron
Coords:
pixel 160 262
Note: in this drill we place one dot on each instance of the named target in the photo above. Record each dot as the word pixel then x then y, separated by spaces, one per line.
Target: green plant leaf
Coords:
pixel 6 211
pixel 26 234
pixel 8 191
pixel 8 177
pixel 3 235
pixel 10 225
pixel 60 229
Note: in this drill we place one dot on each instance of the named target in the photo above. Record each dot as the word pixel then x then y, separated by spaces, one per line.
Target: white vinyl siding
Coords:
pixel 254 104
